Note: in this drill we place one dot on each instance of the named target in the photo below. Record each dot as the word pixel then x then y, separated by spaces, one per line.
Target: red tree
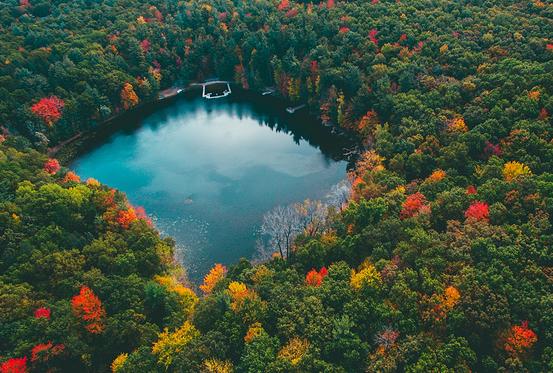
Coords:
pixel 491 149
pixel 478 211
pixel 315 278
pixel 145 45
pixel 284 4
pixel 88 307
pixel 43 351
pixel 414 205
pixel 372 36
pixel 520 338
pixel 48 109
pixel 471 190
pixel 52 166
pixel 42 312
pixel 14 365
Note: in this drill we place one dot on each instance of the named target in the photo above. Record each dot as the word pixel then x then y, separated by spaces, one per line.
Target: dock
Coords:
pixel 211 95
pixel 292 110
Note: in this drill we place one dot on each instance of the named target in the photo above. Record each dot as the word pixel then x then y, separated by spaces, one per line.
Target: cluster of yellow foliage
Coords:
pixel 512 170
pixel 216 274
pixel 238 293
pixel 118 362
pixel 255 330
pixel 92 182
pixel 457 125
pixel 128 96
pixel 187 298
pixel 445 302
pixel 366 276
pixel 436 176
pixel 294 350
pixel 169 344
pixel 217 366
pixel 450 298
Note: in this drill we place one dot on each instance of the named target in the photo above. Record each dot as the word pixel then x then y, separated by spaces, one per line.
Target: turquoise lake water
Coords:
pixel 207 171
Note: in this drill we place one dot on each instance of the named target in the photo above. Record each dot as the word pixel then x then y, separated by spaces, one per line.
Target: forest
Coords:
pixel 440 259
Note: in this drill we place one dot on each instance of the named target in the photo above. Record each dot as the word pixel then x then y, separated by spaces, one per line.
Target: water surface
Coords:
pixel 207 171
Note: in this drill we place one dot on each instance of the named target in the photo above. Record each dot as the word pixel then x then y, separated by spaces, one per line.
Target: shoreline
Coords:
pixel 68 150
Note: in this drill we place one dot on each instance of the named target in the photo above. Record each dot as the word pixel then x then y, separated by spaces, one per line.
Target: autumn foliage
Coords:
pixel 126 217
pixel 315 278
pixel 513 170
pixel 520 339
pixel 478 211
pixel 14 365
pixel 129 98
pixel 284 4
pixel 216 274
pixel 48 109
pixel 88 307
pixel 71 177
pixel 457 125
pixel 414 205
pixel 52 166
pixel 42 312
pixel 44 351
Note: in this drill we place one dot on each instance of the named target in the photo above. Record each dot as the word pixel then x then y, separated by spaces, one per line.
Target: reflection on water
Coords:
pixel 207 171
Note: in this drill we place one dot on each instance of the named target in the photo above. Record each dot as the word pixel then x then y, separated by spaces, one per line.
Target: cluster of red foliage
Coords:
pixel 88 307
pixel 292 13
pixel 43 351
pixel 549 47
pixel 145 45
pixel 330 4
pixel 42 312
pixel 419 46
pixel 315 278
pixel 372 36
pixel 478 210
pixel 344 29
pixel 126 217
pixel 284 4
pixel 471 190
pixel 52 166
pixel 14 365
pixel 414 205
pixel 544 114
pixel 491 149
pixel 520 338
pixel 48 109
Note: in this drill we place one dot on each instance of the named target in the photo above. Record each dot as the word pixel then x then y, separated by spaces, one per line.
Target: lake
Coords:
pixel 206 171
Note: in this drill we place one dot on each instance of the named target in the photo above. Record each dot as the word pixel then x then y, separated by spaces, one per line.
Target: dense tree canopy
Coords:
pixel 440 260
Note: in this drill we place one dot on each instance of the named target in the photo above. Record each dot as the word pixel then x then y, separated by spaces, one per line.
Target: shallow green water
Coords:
pixel 207 171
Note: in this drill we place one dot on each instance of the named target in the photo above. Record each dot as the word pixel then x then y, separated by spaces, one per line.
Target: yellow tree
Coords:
pixel 216 274
pixel 366 276
pixel 513 170
pixel 129 98
pixel 170 344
